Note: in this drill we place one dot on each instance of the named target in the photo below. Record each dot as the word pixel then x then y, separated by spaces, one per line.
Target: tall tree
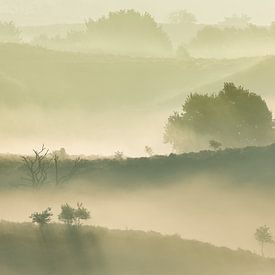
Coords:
pixel 235 116
pixel 263 236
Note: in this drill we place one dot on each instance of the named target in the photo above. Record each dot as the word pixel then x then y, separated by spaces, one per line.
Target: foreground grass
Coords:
pixel 24 249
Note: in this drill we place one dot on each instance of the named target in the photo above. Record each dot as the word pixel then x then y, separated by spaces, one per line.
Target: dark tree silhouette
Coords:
pixel 73 216
pixel 42 218
pixel 37 167
pixel 149 151
pixel 67 214
pixel 263 236
pixel 215 144
pixel 118 155
pixel 235 116
pixel 127 31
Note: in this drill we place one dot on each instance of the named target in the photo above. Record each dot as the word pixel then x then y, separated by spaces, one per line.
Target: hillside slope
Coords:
pixel 259 78
pixel 100 251
pixel 251 165
pixel 91 94
pixel 85 80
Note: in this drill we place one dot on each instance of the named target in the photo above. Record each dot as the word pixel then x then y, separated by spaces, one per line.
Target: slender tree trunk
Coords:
pixel 262 248
pixel 56 170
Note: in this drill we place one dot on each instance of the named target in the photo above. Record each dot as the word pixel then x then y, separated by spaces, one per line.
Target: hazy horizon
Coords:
pixel 32 12
pixel 137 137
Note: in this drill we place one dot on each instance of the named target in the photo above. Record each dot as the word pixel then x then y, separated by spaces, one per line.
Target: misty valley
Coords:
pixel 133 143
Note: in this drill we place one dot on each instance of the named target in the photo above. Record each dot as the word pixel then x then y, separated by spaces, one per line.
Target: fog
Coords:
pixel 205 208
pixel 98 134
pixel 211 11
pixel 157 116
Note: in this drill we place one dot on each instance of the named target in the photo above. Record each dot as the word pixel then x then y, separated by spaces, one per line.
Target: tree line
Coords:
pixel 120 32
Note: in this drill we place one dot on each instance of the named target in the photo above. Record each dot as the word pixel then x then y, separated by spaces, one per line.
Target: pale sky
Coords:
pixel 66 11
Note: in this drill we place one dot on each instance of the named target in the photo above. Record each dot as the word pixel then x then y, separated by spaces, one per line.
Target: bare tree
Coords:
pixel 61 179
pixel 37 167
pixel 149 151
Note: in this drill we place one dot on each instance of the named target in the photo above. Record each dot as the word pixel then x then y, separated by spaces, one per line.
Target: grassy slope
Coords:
pixel 24 250
pixel 259 78
pixel 92 94
pixel 241 166
pixel 252 165
pixel 30 32
pixel 47 78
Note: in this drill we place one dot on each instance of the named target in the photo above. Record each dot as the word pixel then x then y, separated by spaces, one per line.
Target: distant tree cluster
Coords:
pixel 235 117
pixel 68 215
pixel 182 17
pixel 73 216
pixel 236 21
pixel 233 37
pixel 121 32
pixel 9 32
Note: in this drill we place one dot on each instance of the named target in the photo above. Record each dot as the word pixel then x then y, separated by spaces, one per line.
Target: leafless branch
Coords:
pixel 37 167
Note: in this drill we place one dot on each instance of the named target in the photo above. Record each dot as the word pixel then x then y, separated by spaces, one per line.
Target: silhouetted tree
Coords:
pixel 67 214
pixel 37 167
pixel 263 236
pixel 114 32
pixel 119 155
pixel 235 117
pixel 149 151
pixel 227 40
pixel 73 216
pixel 42 218
pixel 215 144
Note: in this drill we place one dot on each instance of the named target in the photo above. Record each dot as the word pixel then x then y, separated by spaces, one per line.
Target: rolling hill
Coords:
pixel 259 78
pixel 251 166
pixel 49 76
pixel 92 93
pixel 93 250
